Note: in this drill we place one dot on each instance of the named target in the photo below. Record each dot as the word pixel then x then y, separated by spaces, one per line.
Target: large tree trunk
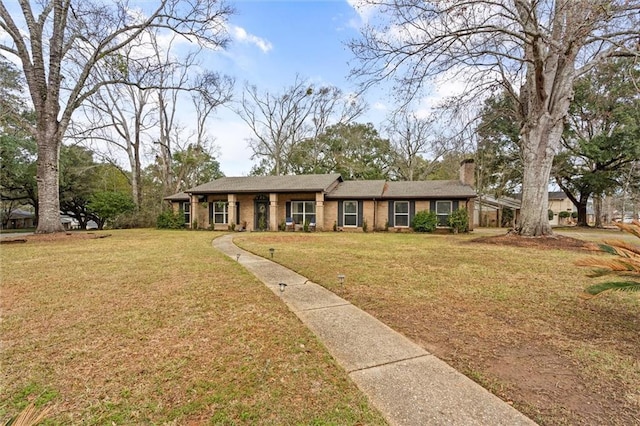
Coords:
pixel 47 178
pixel 540 142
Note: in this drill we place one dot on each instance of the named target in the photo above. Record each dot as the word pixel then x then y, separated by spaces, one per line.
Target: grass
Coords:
pixel 157 327
pixel 512 318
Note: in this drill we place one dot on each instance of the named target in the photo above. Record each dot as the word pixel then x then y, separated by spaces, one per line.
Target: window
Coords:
pixel 303 212
pixel 186 210
pixel 220 212
pixel 401 213
pixel 350 213
pixel 443 210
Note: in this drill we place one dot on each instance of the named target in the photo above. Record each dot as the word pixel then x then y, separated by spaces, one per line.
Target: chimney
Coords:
pixel 467 172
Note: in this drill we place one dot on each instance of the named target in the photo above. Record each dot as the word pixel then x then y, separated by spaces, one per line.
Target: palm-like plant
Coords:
pixel 625 265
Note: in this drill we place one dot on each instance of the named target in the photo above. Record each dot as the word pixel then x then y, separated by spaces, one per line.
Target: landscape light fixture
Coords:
pixel 271 251
pixel 282 287
pixel 341 278
pixel 238 257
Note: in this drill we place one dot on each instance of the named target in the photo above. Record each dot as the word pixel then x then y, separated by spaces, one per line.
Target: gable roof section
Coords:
pixel 297 183
pixel 358 189
pixel 180 196
pixel 428 189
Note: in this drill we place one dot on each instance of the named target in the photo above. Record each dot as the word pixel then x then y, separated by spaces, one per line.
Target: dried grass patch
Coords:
pixel 510 317
pixel 157 327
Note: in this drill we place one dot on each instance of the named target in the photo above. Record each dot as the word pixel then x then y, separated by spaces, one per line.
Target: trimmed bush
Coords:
pixel 170 220
pixel 459 221
pixel 564 214
pixel 424 221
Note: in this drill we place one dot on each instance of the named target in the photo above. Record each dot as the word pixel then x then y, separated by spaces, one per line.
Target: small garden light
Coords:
pixel 238 257
pixel 341 278
pixel 271 250
pixel 282 287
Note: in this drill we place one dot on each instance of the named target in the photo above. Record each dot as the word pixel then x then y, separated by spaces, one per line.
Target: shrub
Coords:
pixel 365 226
pixel 550 213
pixel 424 221
pixel 625 265
pixel 507 217
pixel 170 220
pixel 459 221
pixel 564 214
pixel 574 215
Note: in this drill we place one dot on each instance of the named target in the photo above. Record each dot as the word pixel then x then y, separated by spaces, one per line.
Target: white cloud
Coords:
pixel 364 10
pixel 241 35
pixel 379 106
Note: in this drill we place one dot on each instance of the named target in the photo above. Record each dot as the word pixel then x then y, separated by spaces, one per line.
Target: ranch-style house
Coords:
pixel 321 202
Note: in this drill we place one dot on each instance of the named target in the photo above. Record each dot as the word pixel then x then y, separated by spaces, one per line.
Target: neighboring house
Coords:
pixel 20 219
pixel 559 202
pixel 490 211
pixel 323 202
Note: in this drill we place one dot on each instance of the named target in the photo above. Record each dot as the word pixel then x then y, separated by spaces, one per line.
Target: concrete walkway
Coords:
pixel 407 384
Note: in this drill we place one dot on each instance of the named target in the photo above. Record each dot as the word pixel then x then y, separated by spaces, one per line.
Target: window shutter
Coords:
pixel 237 213
pixel 432 205
pixel 392 217
pixel 340 210
pixel 210 213
pixel 288 209
pixel 360 213
pixel 412 211
pixel 454 205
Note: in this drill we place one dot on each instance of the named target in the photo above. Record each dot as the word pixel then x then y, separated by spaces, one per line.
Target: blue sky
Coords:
pixel 272 41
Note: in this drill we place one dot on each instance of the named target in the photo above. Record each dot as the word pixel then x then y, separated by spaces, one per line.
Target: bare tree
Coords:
pixel 533 49
pixel 279 122
pixel 59 46
pixel 120 116
pixel 414 138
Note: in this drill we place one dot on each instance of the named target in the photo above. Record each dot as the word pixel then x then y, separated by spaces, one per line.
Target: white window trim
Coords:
pixel 304 212
pixel 449 214
pixel 224 212
pixel 345 214
pixel 396 214
pixel 186 211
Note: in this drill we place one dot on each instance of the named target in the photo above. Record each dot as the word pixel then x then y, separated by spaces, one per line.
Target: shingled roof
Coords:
pixel 428 189
pixel 298 183
pixel 358 189
pixel 180 196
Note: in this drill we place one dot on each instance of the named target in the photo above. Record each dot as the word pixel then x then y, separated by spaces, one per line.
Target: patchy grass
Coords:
pixel 511 318
pixel 157 327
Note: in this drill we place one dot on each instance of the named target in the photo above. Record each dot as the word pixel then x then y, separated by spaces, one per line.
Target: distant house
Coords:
pixel 558 202
pixel 322 202
pixel 20 219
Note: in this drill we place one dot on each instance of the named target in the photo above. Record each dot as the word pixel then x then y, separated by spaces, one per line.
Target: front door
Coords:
pixel 262 213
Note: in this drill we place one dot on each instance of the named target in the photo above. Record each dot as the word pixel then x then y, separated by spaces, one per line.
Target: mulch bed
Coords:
pixel 559 242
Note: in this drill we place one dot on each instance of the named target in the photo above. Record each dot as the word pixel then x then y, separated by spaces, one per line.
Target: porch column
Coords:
pixel 273 211
pixel 231 212
pixel 194 210
pixel 319 211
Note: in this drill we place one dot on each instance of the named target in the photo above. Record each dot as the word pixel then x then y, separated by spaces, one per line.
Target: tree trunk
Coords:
pixel 597 209
pixel 540 141
pixel 582 210
pixel 48 180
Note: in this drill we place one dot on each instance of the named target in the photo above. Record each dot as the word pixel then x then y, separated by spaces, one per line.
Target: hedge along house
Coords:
pixel 323 202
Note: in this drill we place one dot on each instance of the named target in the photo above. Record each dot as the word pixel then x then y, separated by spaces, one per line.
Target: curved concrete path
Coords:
pixel 407 384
